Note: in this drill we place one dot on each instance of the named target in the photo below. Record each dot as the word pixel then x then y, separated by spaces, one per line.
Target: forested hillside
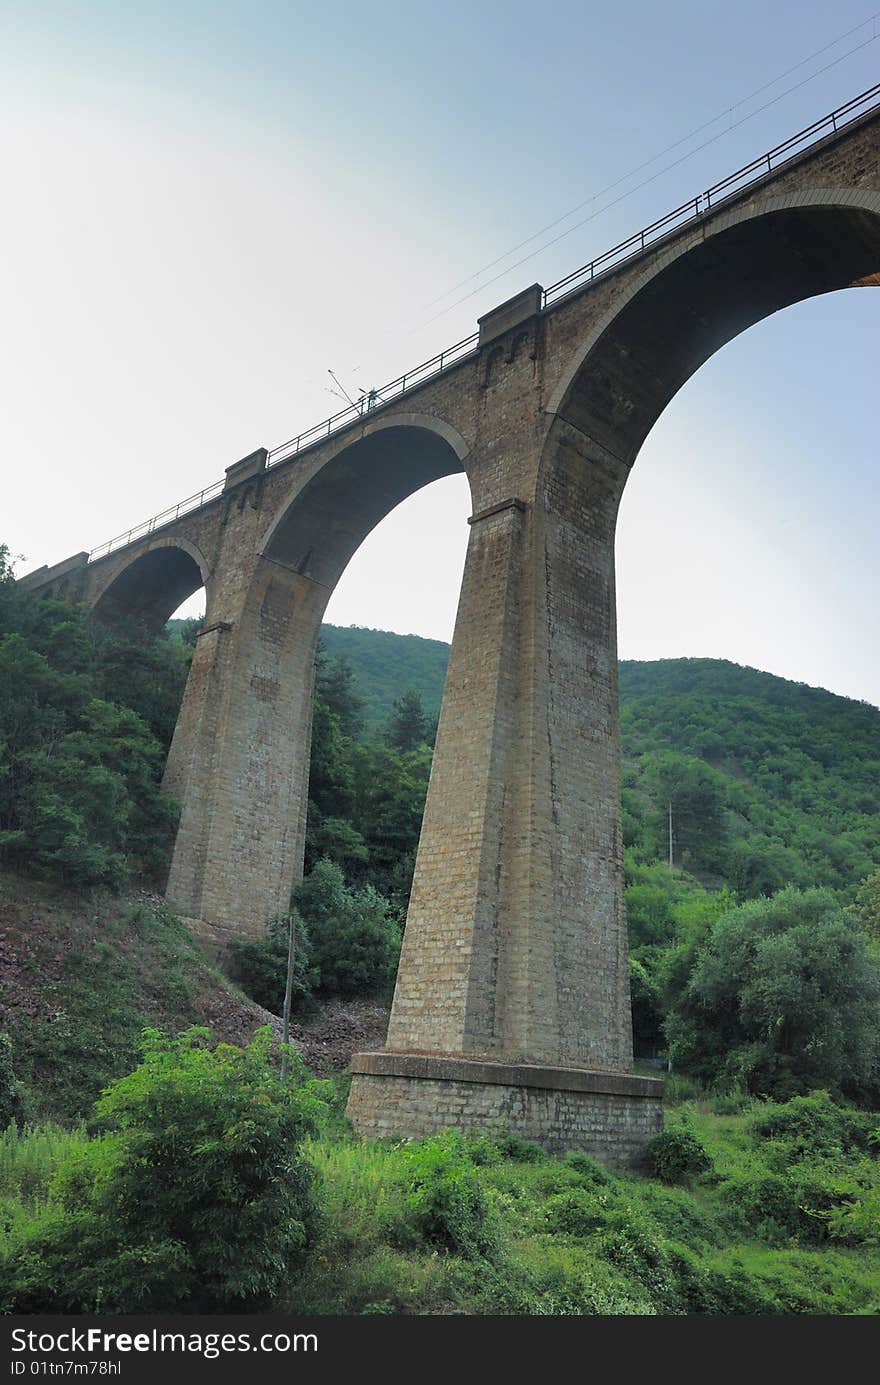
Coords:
pixel 771 782
pixel 385 664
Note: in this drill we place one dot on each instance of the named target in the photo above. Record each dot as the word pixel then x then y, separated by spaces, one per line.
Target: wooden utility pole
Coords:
pixel 288 988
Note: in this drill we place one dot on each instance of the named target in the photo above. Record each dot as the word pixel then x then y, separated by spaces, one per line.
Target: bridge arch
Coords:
pixel 699 295
pixel 239 762
pixel 147 590
pixel 317 531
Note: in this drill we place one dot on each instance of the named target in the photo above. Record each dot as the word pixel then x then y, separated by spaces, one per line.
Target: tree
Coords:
pixel 696 795
pixel 355 938
pixel 407 725
pixel 782 998
pixel 336 686
pixel 260 965
pixel 866 908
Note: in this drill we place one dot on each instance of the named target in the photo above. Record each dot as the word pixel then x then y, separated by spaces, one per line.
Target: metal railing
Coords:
pixel 451 355
pixel 140 531
pixel 729 188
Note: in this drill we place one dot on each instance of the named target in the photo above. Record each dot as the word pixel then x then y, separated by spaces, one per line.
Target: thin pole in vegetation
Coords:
pixel 670 834
pixel 288 988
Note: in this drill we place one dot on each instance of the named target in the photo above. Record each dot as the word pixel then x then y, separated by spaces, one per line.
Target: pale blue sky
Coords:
pixel 208 205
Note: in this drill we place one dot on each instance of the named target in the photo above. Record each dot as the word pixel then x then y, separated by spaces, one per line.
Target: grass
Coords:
pixel 783 1220
pixel 557 1236
pixel 577 1239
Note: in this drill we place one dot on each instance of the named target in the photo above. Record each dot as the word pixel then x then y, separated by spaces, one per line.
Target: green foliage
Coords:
pixel 260 965
pixel 79 783
pixel 647 1008
pixel 30 1155
pixel 696 795
pixel 354 937
pixel 794 771
pixel 383 663
pixel 782 997
pixel 866 906
pixel 815 1126
pixel 198 1197
pixel 407 726
pixel 577 1212
pixel 449 1205
pixel 10 1089
pixel 676 1154
pixel 796 1204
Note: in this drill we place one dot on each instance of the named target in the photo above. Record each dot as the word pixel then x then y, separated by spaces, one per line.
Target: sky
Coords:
pixel 209 206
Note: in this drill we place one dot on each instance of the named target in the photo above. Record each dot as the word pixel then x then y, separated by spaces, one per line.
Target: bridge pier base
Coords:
pixel 412 1095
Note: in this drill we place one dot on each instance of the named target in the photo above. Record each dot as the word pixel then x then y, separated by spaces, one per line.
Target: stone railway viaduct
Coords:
pixel 512 1002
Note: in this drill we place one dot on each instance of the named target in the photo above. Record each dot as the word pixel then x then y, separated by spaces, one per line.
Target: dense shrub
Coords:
pixel 10 1091
pixel 447 1200
pixel 797 1204
pixel 197 1196
pixel 577 1212
pixel 521 1151
pixel 355 937
pixel 814 1125
pixel 259 965
pixel 586 1167
pixel 676 1154
pixel 783 997
pixel 79 787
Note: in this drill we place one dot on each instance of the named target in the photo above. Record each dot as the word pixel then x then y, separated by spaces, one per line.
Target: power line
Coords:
pixel 728 111
pixel 645 183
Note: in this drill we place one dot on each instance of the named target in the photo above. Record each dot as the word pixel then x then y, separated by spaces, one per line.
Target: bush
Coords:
pixel 29 1156
pixel 783 997
pixel 814 1125
pixel 355 938
pixel 586 1167
pixel 799 1204
pixel 731 1103
pixel 10 1091
pixel 576 1213
pixel 679 1215
pixel 197 1197
pixel 519 1150
pixel 676 1154
pixel 259 965
pixel 447 1200
pixel 633 1245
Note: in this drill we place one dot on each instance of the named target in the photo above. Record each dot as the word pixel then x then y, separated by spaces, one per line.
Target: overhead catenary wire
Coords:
pixel 698 130
pixel 645 183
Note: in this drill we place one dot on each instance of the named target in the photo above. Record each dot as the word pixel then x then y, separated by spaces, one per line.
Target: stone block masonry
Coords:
pixel 410 1096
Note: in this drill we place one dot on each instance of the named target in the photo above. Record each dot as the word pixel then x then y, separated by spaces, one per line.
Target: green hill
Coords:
pixel 386 665
pixel 770 781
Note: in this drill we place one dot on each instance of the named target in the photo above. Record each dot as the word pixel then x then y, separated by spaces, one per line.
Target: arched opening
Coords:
pixel 241 842
pixel 669 323
pixel 675 318
pixel 323 527
pixel 147 592
pixel 406 575
pixel 748 529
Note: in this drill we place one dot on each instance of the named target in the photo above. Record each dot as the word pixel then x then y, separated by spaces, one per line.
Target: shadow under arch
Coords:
pixel 318 531
pixel 148 590
pixel 757 260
